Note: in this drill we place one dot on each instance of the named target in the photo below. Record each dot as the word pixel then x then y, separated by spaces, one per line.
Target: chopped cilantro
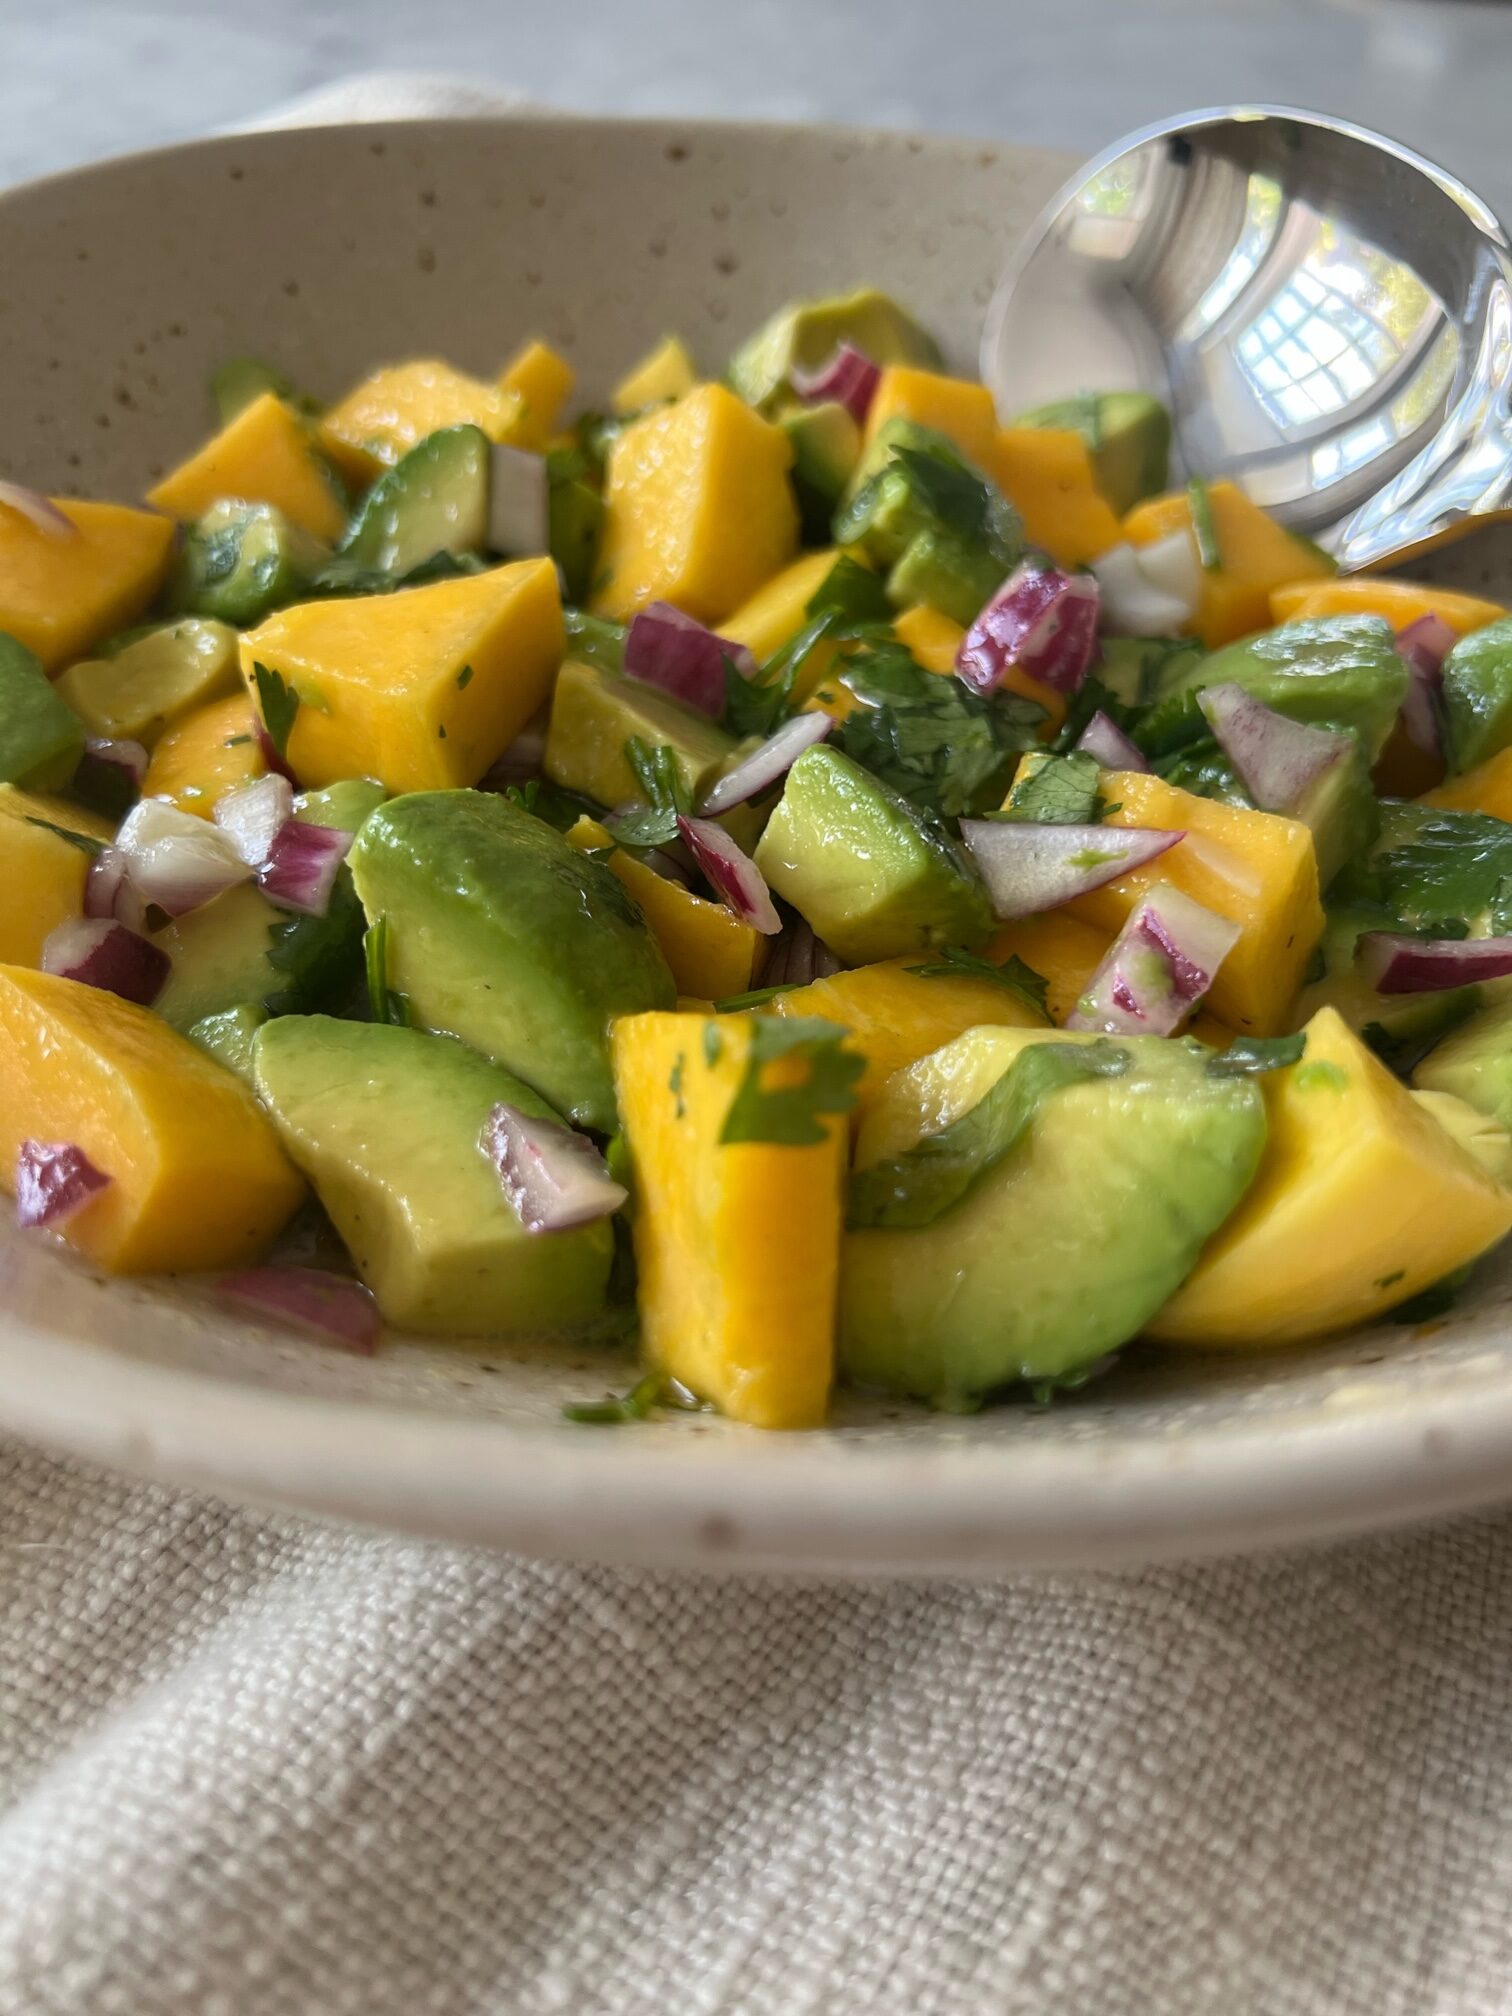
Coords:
pixel 1204 526
pixel 1438 873
pixel 1058 791
pixel 464 677
pixel 1248 1056
pixel 524 795
pixel 1435 1301
pixel 953 494
pixel 1015 975
pixel 279 703
pixel 235 741
pixel 713 1045
pixel 675 1084
pixel 656 772
pixel 1390 1280
pixel 755 997
pixel 852 593
pixel 758 705
pixel 1093 697
pixel 441 730
pixel 787 1114
pixel 385 1004
pixel 85 842
pixel 636 1405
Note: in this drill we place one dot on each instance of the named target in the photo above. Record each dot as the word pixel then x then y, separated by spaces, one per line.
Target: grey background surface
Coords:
pixel 84 78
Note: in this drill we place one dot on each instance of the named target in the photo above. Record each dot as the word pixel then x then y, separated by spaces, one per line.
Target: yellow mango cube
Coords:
pixel 1255 868
pixel 265 455
pixel 210 752
pixel 737 1245
pixel 1064 950
pixel 779 610
pixel 1256 556
pixel 59 595
pixel 698 509
pixel 711 951
pixel 42 875
pixel 399 404
pixel 542 382
pixel 1400 602
pixel 663 374
pixel 896 1015
pixel 958 408
pixel 932 637
pixel 421 689
pixel 1362 1200
pixel 1487 788
pixel 1047 476
pixel 197 1178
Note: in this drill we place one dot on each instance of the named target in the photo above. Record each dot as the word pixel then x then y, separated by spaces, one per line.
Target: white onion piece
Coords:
pixel 101 952
pixel 733 873
pixel 1396 964
pixel 1157 969
pixel 174 860
pixel 1172 565
pixel 302 865
pixel 1279 760
pixel 251 816
pixel 1424 645
pixel 1042 620
pixel 1132 604
pixel 1106 743
pixel 767 765
pixel 518 506
pixel 1028 867
pixel 39 510
pixel 332 1306
pixel 54 1180
pixel 553 1176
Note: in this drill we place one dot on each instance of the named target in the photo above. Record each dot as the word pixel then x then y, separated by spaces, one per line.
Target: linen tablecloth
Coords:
pixel 254 1766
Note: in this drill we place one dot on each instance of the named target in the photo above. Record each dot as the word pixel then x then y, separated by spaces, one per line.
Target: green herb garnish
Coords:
pixel 656 772
pixel 280 706
pixel 755 997
pixel 758 705
pixel 1058 791
pixel 235 741
pixel 675 1083
pixel 85 842
pixel 1204 527
pixel 636 1405
pixel 938 744
pixel 851 593
pixel 789 1115
pixel 1015 975
pixel 464 677
pixel 1248 1056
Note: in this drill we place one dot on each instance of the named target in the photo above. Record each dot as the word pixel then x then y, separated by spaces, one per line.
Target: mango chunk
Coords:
pixel 778 609
pixel 210 752
pixel 42 874
pixel 1064 950
pixel 198 1179
pixel 738 1245
pixel 422 689
pixel 1400 602
pixel 264 456
pixel 542 382
pixel 1256 555
pixel 698 509
pixel 1047 476
pixel 59 595
pixel 958 408
pixel 1362 1200
pixel 897 1015
pixel 711 951
pixel 399 404
pixel 1255 868
pixel 1487 788
pixel 663 374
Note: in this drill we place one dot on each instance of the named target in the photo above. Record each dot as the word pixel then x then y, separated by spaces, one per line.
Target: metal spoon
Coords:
pixel 1327 315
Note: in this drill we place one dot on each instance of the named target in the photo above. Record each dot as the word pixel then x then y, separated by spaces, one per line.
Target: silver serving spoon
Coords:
pixel 1327 315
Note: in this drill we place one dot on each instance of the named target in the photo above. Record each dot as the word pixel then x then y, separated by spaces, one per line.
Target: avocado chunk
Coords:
pixel 240 951
pixel 918 508
pixel 1478 696
pixel 1051 1254
pixel 1342 811
pixel 1474 1062
pixel 343 805
pixel 41 737
pixel 240 380
pixel 230 1035
pixel 241 561
pixel 1140 670
pixel 387 1123
pixel 434 500
pixel 149 682
pixel 1128 436
pixel 863 869
pixel 826 448
pixel 595 712
pixel 1341 671
pixel 805 335
pixel 501 933
pixel 575 520
pixel 594 640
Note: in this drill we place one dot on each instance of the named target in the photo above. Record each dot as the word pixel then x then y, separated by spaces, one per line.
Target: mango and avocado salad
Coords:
pixel 780 867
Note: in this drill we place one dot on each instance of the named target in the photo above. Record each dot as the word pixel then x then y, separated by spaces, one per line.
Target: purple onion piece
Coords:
pixel 1157 969
pixel 1106 743
pixel 39 510
pixel 1028 868
pixel 1041 620
pixel 848 375
pixel 1279 761
pixel 100 952
pixel 252 815
pixel 767 765
pixel 1423 645
pixel 553 1176
pixel 665 648
pixel 1395 964
pixel 331 1306
pixel 54 1180
pixel 122 759
pixel 302 865
pixel 732 872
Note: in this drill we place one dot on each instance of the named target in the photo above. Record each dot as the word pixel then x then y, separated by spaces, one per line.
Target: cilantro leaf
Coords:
pixel 851 593
pixel 919 1186
pixel 954 495
pixel 936 742
pixel 1248 1056
pixel 656 772
pixel 1204 770
pixel 1093 697
pixel 788 1114
pixel 1016 976
pixel 1204 525
pixel 319 955
pixel 1442 873
pixel 759 705
pixel 754 997
pixel 85 842
pixel 279 703
pixel 655 1389
pixel 1058 791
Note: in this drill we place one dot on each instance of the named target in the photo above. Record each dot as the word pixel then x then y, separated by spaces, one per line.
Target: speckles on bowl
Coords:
pixel 676 150
pixel 425 258
pixel 726 263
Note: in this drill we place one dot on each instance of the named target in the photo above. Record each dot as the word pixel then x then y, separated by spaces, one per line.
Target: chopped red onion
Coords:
pixel 1106 743
pixel 100 952
pixel 1041 620
pixel 104 883
pixel 1424 645
pixel 733 873
pixel 174 860
pixel 665 648
pixel 54 1180
pixel 1279 760
pixel 128 759
pixel 517 501
pixel 332 1306
pixel 251 816
pixel 848 376
pixel 553 1176
pixel 1395 964
pixel 268 749
pixel 40 510
pixel 1157 969
pixel 1133 603
pixel 302 865
pixel 1028 868
pixel 767 765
